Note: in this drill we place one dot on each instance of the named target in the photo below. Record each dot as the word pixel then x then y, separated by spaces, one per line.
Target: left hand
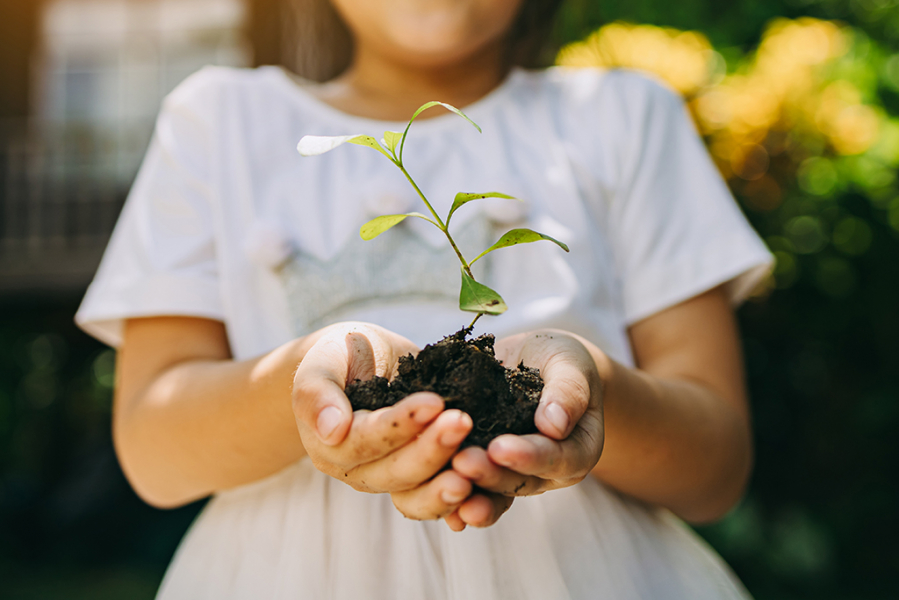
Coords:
pixel 400 449
pixel 569 418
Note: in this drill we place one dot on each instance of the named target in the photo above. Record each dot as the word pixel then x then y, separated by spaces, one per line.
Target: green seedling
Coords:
pixel 473 296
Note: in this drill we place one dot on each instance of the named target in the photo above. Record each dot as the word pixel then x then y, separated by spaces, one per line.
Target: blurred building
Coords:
pixel 81 82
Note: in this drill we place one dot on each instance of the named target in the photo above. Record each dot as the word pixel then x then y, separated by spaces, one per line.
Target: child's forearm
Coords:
pixel 677 430
pixel 188 421
pixel 673 442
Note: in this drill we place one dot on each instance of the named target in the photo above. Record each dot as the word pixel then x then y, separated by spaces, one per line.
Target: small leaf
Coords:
pixel 519 236
pixel 477 297
pixel 379 225
pixel 465 198
pixel 313 145
pixel 391 139
pixel 425 107
pixel 448 107
pixel 367 140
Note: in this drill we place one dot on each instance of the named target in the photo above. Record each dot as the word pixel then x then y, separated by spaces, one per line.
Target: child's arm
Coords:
pixel 185 414
pixel 675 432
pixel 189 421
pixel 678 428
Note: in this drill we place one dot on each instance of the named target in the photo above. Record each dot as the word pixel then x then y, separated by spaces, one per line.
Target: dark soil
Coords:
pixel 468 377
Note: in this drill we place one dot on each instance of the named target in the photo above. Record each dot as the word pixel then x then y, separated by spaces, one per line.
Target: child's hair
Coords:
pixel 317 44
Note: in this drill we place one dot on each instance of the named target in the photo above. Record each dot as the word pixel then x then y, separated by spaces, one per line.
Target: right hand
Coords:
pixel 397 449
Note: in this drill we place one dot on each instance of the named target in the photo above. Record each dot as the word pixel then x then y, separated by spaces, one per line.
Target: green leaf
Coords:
pixel 425 107
pixel 448 107
pixel 465 198
pixel 379 225
pixel 367 140
pixel 391 139
pixel 313 145
pixel 477 297
pixel 519 236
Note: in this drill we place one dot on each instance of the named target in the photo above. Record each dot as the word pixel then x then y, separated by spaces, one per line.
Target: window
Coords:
pixel 105 65
pixel 99 73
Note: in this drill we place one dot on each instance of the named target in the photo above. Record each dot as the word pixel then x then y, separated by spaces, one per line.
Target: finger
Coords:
pixel 570 459
pixel 374 435
pixel 485 509
pixel 386 348
pixel 420 459
pixel 319 402
pixel 435 499
pixel 508 349
pixel 373 350
pixel 454 521
pixel 474 464
pixel 568 372
pixel 566 395
pixel 361 364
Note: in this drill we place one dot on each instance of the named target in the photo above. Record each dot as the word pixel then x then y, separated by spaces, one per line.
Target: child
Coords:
pixel 241 302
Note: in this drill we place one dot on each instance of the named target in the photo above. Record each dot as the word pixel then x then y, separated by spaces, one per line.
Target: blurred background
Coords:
pixel 799 103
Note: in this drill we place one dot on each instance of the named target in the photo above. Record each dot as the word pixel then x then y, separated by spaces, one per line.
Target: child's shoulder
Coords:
pixel 591 106
pixel 590 87
pixel 214 85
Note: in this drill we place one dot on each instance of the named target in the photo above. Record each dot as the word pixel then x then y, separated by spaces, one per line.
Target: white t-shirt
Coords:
pixel 227 221
pixel 609 163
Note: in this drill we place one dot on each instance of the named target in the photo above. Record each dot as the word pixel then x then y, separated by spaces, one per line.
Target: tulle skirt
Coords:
pixel 303 535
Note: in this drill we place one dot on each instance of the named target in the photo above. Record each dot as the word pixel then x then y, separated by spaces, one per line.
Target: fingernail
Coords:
pixel 450 497
pixel 556 415
pixel 450 439
pixel 500 446
pixel 454 437
pixel 328 420
pixel 475 475
pixel 426 413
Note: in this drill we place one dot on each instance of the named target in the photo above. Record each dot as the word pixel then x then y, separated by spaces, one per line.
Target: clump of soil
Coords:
pixel 468 377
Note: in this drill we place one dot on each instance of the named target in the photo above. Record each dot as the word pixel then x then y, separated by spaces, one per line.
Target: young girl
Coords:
pixel 241 302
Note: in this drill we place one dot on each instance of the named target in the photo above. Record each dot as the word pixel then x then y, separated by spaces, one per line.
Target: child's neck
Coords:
pixel 380 87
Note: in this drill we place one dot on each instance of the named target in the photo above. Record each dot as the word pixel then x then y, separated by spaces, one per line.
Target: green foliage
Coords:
pixel 465 198
pixel 819 520
pixel 477 297
pixel 519 236
pixel 391 139
pixel 425 107
pixel 379 225
pixel 70 525
pixel 473 296
pixel 367 140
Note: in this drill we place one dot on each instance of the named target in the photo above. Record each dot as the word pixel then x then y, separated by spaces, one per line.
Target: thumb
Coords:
pixel 565 398
pixel 565 366
pixel 319 402
pixel 361 363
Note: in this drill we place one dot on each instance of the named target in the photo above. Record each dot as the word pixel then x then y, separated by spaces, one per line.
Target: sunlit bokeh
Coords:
pixel 791 125
pixel 685 59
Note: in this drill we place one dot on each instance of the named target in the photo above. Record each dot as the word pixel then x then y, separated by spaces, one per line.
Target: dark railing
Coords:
pixel 61 189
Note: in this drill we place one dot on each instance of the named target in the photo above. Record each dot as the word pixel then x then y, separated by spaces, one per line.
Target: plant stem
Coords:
pixel 440 223
pixel 422 196
pixel 477 316
pixel 465 265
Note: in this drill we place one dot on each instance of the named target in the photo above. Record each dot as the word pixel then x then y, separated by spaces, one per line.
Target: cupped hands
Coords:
pixel 402 449
pixel 569 419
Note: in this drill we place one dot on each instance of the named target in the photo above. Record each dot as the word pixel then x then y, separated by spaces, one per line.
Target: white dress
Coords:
pixel 226 221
